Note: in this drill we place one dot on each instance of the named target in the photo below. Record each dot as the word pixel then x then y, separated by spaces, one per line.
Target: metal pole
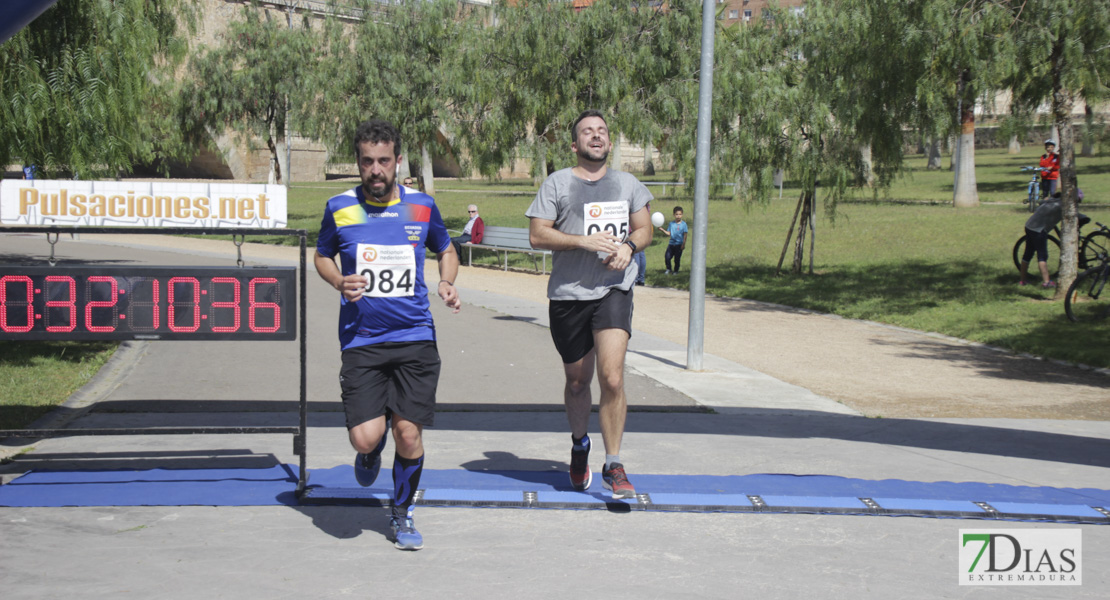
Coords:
pixel 695 339
pixel 288 137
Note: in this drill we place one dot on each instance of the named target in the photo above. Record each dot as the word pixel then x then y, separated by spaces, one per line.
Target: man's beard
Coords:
pixel 585 153
pixel 367 186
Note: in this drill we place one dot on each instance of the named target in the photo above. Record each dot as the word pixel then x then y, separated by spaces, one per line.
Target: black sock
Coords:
pixel 583 443
pixel 406 480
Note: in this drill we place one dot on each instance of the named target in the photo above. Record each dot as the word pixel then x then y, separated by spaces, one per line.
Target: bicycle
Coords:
pixel 1095 247
pixel 1095 243
pixel 1033 192
pixel 1084 301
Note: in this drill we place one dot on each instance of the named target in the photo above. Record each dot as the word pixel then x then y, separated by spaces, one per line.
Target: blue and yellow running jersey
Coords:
pixel 396 309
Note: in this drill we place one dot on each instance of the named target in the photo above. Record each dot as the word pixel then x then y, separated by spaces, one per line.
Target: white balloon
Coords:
pixel 657 219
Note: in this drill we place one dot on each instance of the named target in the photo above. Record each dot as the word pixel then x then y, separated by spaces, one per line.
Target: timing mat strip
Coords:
pixel 759 493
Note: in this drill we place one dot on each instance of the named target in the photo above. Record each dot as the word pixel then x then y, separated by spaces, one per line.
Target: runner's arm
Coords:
pixel 640 223
pixel 543 236
pixel 350 286
pixel 448 271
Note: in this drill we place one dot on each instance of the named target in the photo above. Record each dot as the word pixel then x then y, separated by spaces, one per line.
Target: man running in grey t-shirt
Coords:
pixel 593 220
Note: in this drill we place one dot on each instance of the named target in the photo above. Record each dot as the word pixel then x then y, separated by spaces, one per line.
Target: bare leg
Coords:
pixel 576 394
pixel 610 345
pixel 1043 266
pixel 366 436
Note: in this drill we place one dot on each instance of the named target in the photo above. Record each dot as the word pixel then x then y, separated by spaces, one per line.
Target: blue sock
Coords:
pixel 610 459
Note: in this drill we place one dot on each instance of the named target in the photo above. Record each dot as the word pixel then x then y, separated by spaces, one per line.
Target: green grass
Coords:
pixel 903 257
pixel 37 376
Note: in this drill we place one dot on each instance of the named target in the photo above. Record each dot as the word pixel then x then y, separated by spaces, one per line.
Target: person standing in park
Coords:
pixel 390 365
pixel 677 230
pixel 641 259
pixel 593 219
pixel 1050 170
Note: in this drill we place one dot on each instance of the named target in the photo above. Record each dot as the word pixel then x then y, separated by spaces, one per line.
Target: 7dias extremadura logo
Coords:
pixel 1021 557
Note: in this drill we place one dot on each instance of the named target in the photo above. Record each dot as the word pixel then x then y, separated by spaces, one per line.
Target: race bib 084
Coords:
pixel 390 271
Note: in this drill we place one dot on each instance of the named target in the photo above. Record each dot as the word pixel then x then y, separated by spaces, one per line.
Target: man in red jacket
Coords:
pixel 472 233
pixel 1050 169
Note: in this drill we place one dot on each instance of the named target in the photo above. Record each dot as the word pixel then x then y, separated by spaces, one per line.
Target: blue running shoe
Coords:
pixel 367 466
pixel 405 535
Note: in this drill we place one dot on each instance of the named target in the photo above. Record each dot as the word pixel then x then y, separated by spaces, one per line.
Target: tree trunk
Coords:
pixel 649 167
pixel 1015 145
pixel 426 171
pixel 744 184
pixel 790 232
pixel 539 163
pixel 800 241
pixel 867 172
pixel 1062 102
pixel 1088 131
pixel 615 154
pixel 275 166
pixel 966 193
pixel 934 155
pixel 404 167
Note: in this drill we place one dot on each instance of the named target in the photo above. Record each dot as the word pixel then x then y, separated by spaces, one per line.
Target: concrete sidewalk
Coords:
pixel 500 409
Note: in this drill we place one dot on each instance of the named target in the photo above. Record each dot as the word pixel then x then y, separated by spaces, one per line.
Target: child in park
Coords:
pixel 677 229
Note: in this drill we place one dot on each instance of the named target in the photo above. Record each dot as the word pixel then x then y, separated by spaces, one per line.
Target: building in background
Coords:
pixel 752 11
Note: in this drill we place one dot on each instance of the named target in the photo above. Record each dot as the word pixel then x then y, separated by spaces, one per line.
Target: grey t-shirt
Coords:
pixel 576 205
pixel 1045 217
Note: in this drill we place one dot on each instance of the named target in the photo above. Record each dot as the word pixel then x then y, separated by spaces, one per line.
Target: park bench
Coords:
pixel 505 240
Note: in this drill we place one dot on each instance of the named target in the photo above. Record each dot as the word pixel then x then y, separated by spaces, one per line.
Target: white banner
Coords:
pixel 142 204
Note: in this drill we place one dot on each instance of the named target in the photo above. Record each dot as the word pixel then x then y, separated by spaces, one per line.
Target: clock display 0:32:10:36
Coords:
pixel 124 303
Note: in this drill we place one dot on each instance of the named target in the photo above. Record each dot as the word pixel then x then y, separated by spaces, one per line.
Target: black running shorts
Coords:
pixel 395 377
pixel 573 322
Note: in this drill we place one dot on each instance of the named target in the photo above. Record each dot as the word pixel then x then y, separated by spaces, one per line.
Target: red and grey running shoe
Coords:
pixel 580 475
pixel 615 479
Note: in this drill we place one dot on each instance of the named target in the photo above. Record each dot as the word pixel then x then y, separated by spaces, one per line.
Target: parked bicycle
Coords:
pixel 1095 243
pixel 1085 301
pixel 1033 191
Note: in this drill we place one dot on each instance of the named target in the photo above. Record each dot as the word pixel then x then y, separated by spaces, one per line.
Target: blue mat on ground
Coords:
pixel 769 492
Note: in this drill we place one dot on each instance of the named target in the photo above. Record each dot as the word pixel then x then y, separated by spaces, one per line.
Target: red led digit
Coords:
pixel 233 304
pixel 5 281
pixel 264 305
pixel 173 304
pixel 94 304
pixel 70 287
pixel 140 299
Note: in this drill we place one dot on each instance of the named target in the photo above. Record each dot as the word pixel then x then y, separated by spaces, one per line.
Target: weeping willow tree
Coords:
pixel 808 94
pixel 87 90
pixel 248 82
pixel 394 65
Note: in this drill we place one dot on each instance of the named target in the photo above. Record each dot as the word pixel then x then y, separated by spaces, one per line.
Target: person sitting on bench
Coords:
pixel 472 233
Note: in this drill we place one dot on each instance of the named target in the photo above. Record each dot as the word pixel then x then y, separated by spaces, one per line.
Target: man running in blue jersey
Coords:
pixel 594 219
pixel 390 360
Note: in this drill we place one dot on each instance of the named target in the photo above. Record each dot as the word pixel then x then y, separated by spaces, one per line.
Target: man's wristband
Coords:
pixel 447 282
pixel 632 245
